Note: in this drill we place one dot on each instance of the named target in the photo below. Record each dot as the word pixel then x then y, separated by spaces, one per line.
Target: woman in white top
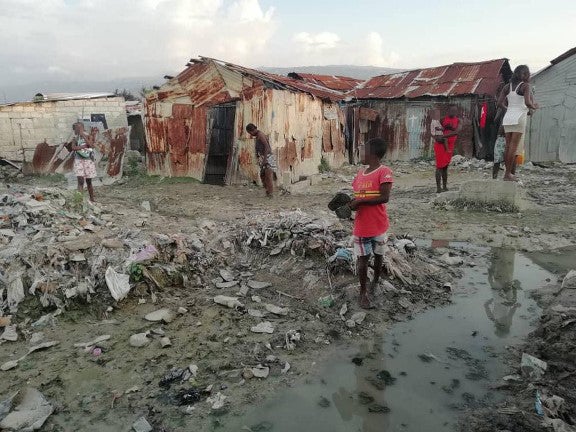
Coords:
pixel 516 98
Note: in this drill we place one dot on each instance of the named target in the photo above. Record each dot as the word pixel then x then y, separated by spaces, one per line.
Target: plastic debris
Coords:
pixel 118 284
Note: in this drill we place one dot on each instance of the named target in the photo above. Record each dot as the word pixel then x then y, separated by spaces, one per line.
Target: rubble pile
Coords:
pixel 55 247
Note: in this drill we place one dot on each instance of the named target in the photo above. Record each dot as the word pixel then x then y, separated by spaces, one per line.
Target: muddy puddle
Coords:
pixel 422 374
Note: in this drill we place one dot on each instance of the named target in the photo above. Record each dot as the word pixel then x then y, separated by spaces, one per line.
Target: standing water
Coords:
pixel 420 374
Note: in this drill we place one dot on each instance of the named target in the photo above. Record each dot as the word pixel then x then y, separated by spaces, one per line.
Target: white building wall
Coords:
pixel 25 125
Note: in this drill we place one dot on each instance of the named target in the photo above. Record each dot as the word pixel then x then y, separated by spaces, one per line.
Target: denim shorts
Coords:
pixel 365 246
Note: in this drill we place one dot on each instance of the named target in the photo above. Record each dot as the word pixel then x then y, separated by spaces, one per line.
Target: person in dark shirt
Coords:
pixel 265 158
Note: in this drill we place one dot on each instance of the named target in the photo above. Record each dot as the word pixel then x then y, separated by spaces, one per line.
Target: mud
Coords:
pixel 111 390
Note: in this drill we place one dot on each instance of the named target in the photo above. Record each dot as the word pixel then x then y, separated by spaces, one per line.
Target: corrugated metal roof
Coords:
pixel 334 82
pixel 73 96
pixel 564 56
pixel 483 78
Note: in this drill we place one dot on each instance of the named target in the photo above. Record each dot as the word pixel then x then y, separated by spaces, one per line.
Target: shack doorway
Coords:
pixel 220 143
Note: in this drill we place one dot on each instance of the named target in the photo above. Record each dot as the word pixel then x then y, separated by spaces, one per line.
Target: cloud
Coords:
pixel 105 39
pixel 316 42
pixel 329 48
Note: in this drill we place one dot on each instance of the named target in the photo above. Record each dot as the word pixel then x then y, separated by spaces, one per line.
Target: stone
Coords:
pixel 358 317
pixel 146 206
pixel 276 310
pixel 263 327
pixel 492 192
pixel 30 413
pixel 182 310
pixel 10 333
pixel 260 371
pixel 9 365
pixel 256 313
pixel 139 340
pixel 112 243
pixel 142 425
pixel 226 275
pixel 229 284
pixel 569 281
pixel 165 342
pixel 217 401
pixel 164 314
pixel 258 285
pixel 532 367
pixel 231 302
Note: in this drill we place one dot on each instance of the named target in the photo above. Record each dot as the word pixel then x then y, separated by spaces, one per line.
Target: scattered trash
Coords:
pixel 164 314
pixel 263 327
pixel 291 337
pixel 141 425
pixel 30 412
pixel 532 367
pixel 538 405
pixel 149 252
pixel 118 284
pixel 327 301
pixel 451 260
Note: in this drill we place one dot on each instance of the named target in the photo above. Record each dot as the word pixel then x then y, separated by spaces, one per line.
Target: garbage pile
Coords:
pixel 55 247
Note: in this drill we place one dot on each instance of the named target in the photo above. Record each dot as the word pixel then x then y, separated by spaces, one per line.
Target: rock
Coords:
pixel 532 367
pixel 276 310
pixel 164 314
pixel 139 340
pixel 285 369
pixel 9 365
pixel 343 310
pixel 260 371
pixel 42 346
pixel 231 302
pixel 358 317
pixel 77 257
pixel 142 425
pixel 451 260
pixel 258 285
pixel 226 275
pixel 182 310
pixel 229 284
pixel 405 303
pixel 10 333
pixel 5 321
pixel 36 338
pixel 569 280
pixel 256 299
pixel 256 313
pixel 263 327
pixel 165 342
pixel 93 342
pixel 29 414
pixel 193 370
pixel 146 206
pixel 217 401
pixel 112 243
pixel 243 291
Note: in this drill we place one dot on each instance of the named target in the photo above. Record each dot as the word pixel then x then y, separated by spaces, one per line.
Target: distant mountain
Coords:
pixel 25 92
pixel 359 72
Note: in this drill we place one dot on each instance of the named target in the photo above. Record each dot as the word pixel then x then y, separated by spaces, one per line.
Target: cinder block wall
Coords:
pixel 24 125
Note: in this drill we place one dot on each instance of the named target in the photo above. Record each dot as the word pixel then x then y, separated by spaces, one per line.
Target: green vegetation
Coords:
pixel 324 166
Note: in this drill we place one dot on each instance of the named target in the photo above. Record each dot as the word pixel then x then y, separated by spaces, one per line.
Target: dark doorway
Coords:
pixel 221 129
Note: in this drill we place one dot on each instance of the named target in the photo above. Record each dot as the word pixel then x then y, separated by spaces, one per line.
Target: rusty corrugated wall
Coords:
pixel 405 125
pixel 302 129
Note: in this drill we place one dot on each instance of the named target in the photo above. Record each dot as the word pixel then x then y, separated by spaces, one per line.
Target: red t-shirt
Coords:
pixel 371 220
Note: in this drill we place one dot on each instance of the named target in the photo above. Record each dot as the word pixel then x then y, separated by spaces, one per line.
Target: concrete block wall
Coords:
pixel 24 125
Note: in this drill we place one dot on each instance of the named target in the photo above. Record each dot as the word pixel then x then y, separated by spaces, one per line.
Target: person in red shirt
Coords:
pixel 372 187
pixel 444 146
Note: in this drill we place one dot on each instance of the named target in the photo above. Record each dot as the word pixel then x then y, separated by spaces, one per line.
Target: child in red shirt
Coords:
pixel 372 187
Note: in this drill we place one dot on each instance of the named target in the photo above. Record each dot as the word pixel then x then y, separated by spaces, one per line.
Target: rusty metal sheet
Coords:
pixel 458 79
pixel 334 82
pixel 110 146
pixel 368 114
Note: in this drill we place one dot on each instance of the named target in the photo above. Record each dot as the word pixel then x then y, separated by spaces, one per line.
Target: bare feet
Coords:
pixel 510 178
pixel 365 302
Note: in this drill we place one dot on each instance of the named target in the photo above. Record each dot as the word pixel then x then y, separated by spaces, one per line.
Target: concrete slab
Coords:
pixel 492 191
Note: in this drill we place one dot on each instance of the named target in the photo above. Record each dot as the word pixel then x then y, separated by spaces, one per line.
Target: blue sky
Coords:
pixel 104 39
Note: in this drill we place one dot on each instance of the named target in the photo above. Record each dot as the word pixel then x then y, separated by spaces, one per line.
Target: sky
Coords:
pixel 108 39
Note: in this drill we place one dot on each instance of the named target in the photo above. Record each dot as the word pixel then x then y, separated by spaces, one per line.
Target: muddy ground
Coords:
pixel 112 387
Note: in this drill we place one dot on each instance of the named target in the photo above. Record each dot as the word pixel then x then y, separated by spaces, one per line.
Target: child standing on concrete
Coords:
pixel 372 187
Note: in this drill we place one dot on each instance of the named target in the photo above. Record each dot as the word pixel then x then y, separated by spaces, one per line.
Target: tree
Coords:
pixel 126 94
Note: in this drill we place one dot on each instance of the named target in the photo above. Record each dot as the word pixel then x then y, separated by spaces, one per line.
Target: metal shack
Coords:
pixel 552 134
pixel 398 107
pixel 195 124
